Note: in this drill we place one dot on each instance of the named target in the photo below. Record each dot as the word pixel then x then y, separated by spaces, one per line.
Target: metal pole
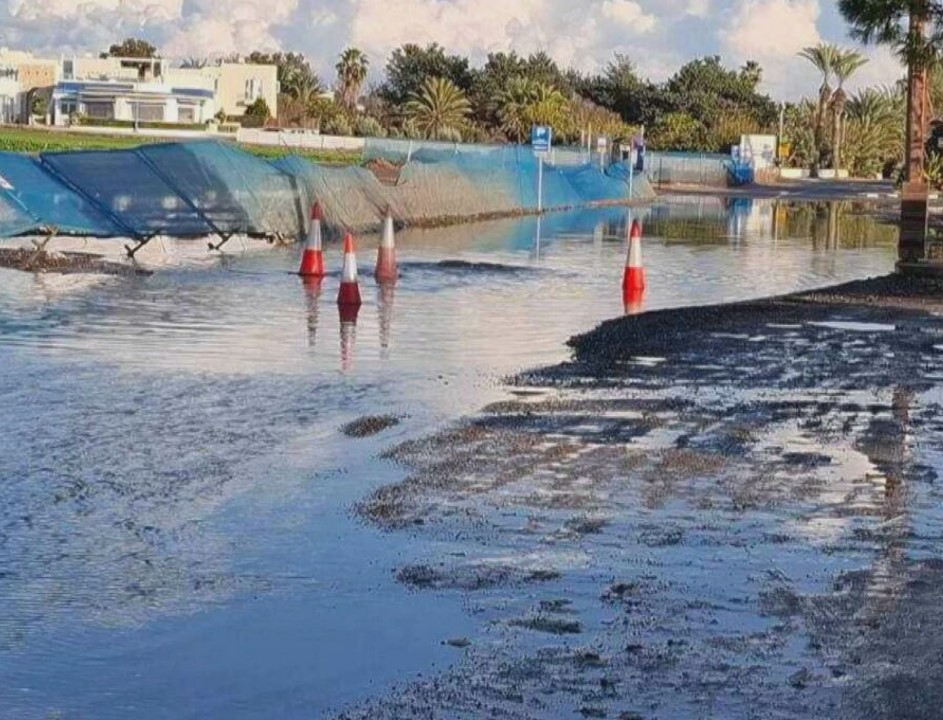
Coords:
pixel 540 183
pixel 631 179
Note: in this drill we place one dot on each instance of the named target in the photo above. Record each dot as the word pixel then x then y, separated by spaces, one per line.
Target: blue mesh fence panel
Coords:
pixel 50 202
pixel 201 188
pixel 594 186
pixel 126 187
pixel 14 219
pixel 235 191
pixel 508 174
pixel 665 168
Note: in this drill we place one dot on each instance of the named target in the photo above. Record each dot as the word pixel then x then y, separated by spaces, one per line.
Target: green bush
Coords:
pixel 337 125
pixel 257 114
pixel 92 122
pixel 366 126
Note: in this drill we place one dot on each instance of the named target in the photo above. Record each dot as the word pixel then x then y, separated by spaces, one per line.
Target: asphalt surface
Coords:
pixel 727 511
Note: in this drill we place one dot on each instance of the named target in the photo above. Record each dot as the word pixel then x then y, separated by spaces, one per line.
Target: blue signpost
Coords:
pixel 541 138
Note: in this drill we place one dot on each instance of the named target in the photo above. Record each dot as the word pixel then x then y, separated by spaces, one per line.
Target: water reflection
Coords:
pixel 313 287
pixel 137 410
pixel 348 315
pixel 385 298
pixel 831 225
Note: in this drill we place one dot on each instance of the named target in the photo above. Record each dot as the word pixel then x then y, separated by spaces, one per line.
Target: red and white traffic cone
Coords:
pixel 312 261
pixel 349 294
pixel 633 282
pixel 386 271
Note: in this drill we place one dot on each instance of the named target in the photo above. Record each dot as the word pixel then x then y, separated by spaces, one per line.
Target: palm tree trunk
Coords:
pixel 836 140
pixel 913 233
pixel 916 123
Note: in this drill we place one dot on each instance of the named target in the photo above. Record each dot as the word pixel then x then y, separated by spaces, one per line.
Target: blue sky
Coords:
pixel 658 35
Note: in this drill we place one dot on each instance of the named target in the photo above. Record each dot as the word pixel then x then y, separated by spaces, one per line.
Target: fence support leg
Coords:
pixel 223 239
pixel 132 251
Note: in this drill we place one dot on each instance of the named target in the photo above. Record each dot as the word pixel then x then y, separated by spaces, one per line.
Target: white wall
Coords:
pixel 308 141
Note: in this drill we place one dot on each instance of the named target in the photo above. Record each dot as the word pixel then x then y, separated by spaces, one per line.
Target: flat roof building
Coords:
pixel 132 102
pixel 146 90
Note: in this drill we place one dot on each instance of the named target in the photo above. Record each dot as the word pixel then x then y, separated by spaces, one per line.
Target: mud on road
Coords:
pixel 726 512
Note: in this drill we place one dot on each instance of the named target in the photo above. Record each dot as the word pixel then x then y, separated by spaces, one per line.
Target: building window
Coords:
pixel 187 115
pixel 150 113
pixel 68 69
pixel 100 110
pixel 253 90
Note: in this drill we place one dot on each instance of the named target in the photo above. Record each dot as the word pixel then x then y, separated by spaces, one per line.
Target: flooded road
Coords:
pixel 176 538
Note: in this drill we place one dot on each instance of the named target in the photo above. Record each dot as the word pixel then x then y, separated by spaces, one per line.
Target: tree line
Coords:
pixel 430 93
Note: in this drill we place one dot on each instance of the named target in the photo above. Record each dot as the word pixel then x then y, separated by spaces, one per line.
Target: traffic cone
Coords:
pixel 386 271
pixel 350 286
pixel 312 261
pixel 633 301
pixel 633 282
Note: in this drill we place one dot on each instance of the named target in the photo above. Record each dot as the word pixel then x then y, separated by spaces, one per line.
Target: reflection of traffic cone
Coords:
pixel 387 292
pixel 312 287
pixel 348 316
pixel 386 256
pixel 633 282
pixel 350 286
pixel 312 262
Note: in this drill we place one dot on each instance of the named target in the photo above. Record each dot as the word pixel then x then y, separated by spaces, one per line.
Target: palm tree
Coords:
pixel 194 63
pixel 512 103
pixel 874 135
pixel 752 73
pixel 351 75
pixel 303 89
pixel 525 102
pixel 550 107
pixel 906 26
pixel 823 56
pixel 439 110
pixel 845 65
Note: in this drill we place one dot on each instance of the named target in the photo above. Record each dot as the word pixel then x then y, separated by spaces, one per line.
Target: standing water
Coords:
pixel 176 538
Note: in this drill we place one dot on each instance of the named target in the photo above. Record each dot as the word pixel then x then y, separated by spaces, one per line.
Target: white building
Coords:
pixel 131 102
pixel 12 98
pixel 131 90
pixel 22 76
pixel 153 91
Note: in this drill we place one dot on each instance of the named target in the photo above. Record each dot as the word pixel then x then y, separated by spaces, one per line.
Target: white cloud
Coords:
pixel 141 11
pixel 772 32
pixel 883 68
pixel 230 28
pixel 659 35
pixel 628 13
pixel 698 8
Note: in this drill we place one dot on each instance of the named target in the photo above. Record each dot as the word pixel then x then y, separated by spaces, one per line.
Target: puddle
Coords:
pixel 856 326
pixel 177 511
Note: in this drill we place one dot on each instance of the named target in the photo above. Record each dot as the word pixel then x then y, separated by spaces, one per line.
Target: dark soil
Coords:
pixel 31 260
pixel 370 425
pixel 747 528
